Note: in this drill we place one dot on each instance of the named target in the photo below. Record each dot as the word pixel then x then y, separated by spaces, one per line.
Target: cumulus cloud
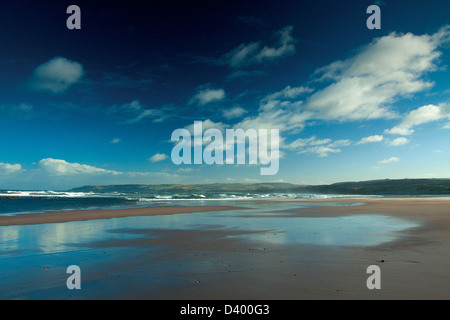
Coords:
pixel 56 75
pixel 420 116
pixel 235 112
pixel 277 114
pixel 59 170
pixel 365 85
pixel 207 95
pixel 158 157
pixel 57 167
pixel 371 139
pixel 60 174
pixel 397 142
pixel 389 160
pixel 6 168
pixel 399 131
pixel 263 139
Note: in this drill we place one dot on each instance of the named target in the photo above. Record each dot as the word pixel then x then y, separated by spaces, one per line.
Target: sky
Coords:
pixel 98 105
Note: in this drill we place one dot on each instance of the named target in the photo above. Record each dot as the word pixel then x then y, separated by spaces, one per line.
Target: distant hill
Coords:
pixel 190 188
pixel 387 187
pixel 372 187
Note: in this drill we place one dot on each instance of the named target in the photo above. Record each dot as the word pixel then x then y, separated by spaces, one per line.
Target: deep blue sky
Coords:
pixel 99 105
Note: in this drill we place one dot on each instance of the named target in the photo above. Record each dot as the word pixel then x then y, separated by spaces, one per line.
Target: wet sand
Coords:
pixel 86 215
pixel 220 263
pixel 416 266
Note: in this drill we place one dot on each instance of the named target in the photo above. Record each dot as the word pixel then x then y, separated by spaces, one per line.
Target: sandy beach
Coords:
pixel 85 215
pixel 220 262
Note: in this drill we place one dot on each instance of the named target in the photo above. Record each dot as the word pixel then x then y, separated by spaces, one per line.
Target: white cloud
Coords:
pixel 158 157
pixel 136 112
pixel 287 46
pixel 340 143
pixel 243 55
pixel 365 85
pixel 57 174
pixel 133 106
pixel 275 114
pixel 321 147
pixel 115 141
pixel 445 109
pixel 371 139
pixel 424 114
pixel 442 36
pixel 57 167
pixel 390 160
pixel 287 93
pixel 6 168
pixel 312 141
pixel 56 75
pixel 155 114
pixel 321 151
pixel 248 54
pixel 399 131
pixel 235 112
pixel 208 124
pixel 207 95
pixel 397 142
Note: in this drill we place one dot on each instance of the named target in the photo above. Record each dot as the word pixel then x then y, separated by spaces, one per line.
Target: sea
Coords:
pixel 14 202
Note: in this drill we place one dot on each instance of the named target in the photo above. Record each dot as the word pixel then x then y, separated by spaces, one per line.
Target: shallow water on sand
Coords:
pixel 344 230
pixel 27 250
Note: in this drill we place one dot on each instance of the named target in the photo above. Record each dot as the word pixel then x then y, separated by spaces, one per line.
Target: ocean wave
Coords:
pixel 168 197
pixel 12 202
pixel 36 194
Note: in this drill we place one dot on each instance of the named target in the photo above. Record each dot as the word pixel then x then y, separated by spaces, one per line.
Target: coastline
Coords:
pixel 395 206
